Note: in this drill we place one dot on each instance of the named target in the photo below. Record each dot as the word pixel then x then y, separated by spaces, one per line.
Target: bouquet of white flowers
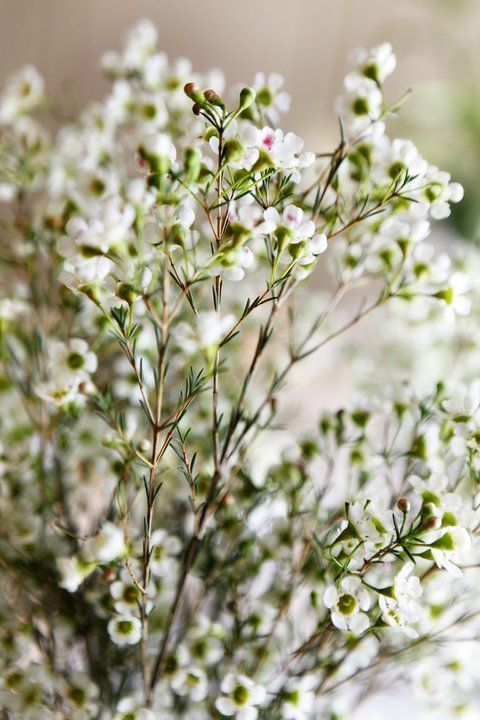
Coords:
pixel 157 290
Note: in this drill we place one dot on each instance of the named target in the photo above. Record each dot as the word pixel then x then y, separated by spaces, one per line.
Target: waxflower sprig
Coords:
pixel 156 298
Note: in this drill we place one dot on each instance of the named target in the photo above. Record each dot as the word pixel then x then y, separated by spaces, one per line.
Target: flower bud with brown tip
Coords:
pixel 433 523
pixel 214 99
pixel 403 505
pixel 194 93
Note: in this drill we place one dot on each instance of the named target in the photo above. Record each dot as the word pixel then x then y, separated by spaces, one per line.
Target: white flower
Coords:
pixel 232 263
pixel 58 391
pixel 295 232
pixel 402 610
pixel 361 105
pixel 285 151
pixel 455 294
pixel 269 95
pixel 159 146
pixel 126 597
pixel 463 405
pixel 435 192
pixel 206 645
pixel 376 64
pixel 86 275
pixel 190 682
pixel 22 94
pixel 247 137
pixel 372 521
pixel 210 328
pixel 106 228
pixel 125 630
pixel 73 572
pixel 79 692
pixel 347 603
pixel 108 545
pixel 240 698
pixel 164 548
pixel 8 192
pixel 448 549
pixel 298 698
pixel 70 365
pixel 395 159
pixel 73 358
pixel 130 708
pixel 140 44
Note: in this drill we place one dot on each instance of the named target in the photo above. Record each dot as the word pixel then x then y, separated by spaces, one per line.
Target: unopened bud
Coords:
pixel 403 505
pixel 429 509
pixel 233 150
pixel 247 97
pixel 433 523
pixel 127 291
pixel 298 249
pixel 109 575
pixel 212 97
pixel 192 164
pixel 88 388
pixel 192 91
pixel 177 234
pixel 284 235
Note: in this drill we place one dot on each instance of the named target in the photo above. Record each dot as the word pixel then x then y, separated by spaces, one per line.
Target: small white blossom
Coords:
pixel 347 603
pixel 125 630
pixel 106 546
pixel 241 697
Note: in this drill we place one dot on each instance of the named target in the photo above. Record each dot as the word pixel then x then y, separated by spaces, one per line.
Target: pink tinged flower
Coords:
pixel 267 138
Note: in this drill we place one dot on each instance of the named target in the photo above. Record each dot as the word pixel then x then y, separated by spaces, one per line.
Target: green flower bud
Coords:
pixel 434 523
pixel 284 236
pixel 177 234
pixel 91 291
pixel 212 97
pixel 298 249
pixel 127 291
pixel 192 164
pixel 238 235
pixel 194 93
pixel 233 150
pixel 247 98
pixel 428 510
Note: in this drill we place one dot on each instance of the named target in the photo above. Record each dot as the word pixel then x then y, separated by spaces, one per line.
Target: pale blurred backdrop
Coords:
pixel 308 41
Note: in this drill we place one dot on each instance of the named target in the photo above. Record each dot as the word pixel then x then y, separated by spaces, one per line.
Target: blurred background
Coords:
pixel 437 43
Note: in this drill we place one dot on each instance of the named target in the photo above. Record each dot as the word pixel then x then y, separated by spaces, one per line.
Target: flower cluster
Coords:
pixel 163 556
